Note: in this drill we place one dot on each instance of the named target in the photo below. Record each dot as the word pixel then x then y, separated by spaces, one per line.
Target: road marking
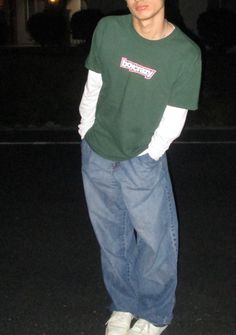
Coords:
pixel 78 143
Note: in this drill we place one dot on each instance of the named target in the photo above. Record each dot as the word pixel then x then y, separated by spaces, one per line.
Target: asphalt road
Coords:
pixel 50 279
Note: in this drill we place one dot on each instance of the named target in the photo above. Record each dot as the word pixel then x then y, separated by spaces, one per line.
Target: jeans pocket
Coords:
pixel 147 159
pixel 85 152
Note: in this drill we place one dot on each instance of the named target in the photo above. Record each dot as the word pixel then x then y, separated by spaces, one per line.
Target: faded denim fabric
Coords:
pixel 132 210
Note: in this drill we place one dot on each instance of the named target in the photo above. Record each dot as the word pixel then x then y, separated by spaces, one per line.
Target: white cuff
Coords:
pixel 169 129
pixel 88 102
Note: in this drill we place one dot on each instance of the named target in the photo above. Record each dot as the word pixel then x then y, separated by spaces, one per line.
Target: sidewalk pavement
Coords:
pixel 51 281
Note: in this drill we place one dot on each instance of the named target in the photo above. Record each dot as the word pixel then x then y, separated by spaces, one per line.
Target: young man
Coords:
pixel 144 74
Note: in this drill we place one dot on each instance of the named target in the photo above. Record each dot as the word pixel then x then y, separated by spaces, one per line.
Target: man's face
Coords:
pixel 146 9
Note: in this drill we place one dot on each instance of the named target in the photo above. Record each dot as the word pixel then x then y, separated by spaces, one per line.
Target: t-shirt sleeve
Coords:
pixel 93 61
pixel 185 90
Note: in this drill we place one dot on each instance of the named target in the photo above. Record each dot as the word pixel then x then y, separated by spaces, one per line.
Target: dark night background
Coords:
pixel 50 277
pixel 42 85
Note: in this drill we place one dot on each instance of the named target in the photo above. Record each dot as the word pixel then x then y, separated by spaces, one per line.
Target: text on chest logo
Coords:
pixel 131 66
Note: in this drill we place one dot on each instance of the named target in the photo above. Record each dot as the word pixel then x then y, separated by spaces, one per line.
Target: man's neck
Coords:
pixel 152 29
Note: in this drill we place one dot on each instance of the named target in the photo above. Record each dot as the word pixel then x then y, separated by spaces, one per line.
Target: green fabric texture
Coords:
pixel 140 78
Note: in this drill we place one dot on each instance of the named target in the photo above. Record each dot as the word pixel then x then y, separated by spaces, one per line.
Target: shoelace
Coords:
pixel 118 318
pixel 142 326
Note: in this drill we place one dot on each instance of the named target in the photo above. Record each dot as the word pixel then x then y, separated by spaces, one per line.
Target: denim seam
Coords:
pixel 171 221
pixel 129 265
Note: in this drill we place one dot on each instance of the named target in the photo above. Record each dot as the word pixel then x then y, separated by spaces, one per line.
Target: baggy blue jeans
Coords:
pixel 132 210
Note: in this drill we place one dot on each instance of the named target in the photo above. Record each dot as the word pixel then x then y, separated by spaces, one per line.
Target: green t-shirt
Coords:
pixel 140 78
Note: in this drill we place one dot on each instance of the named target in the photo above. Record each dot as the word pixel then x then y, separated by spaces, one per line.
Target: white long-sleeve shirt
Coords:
pixel 169 128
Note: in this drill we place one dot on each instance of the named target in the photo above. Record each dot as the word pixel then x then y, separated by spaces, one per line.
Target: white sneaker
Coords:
pixel 143 327
pixel 119 323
